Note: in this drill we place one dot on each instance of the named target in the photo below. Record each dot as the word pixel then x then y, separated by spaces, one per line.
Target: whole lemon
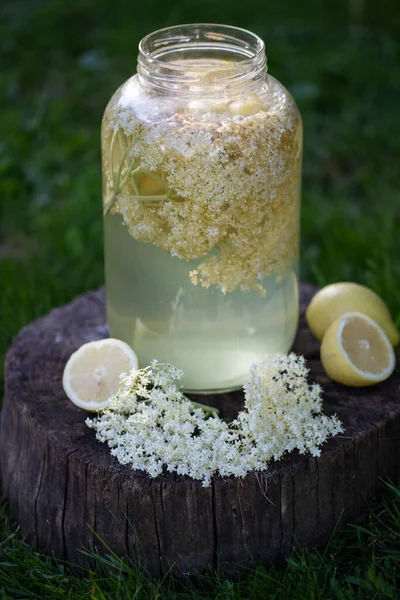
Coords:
pixel 336 299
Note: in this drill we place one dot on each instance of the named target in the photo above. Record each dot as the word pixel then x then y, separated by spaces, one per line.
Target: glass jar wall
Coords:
pixel 201 185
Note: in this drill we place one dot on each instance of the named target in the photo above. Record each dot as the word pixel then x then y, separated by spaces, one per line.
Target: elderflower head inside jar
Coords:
pixel 201 183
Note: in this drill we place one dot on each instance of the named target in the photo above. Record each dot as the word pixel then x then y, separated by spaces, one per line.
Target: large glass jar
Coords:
pixel 201 182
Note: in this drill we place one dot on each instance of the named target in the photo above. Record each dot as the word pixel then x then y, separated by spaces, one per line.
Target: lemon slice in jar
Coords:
pixel 91 375
pixel 208 106
pixel 150 186
pixel 246 109
pixel 356 351
pixel 336 299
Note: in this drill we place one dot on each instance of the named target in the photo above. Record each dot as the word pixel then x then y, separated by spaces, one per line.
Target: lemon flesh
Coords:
pixel 356 351
pixel 337 299
pixel 91 375
pixel 150 186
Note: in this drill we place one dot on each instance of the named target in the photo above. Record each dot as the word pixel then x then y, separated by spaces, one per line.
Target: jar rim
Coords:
pixel 246 35
pixel 163 58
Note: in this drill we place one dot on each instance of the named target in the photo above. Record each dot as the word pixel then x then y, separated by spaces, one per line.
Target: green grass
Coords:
pixel 61 61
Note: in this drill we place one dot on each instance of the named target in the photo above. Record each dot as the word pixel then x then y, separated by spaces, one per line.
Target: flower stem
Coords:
pixel 211 410
pixel 116 180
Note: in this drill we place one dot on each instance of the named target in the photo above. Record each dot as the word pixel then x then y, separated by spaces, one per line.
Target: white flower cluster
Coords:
pixel 282 411
pixel 153 427
pixel 213 187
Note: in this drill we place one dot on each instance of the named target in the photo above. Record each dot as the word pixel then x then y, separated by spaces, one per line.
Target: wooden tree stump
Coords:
pixel 61 484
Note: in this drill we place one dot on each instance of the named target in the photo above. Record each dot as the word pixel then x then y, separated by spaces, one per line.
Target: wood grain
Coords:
pixel 62 485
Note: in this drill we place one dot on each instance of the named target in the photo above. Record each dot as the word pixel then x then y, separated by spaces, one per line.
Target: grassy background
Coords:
pixel 60 63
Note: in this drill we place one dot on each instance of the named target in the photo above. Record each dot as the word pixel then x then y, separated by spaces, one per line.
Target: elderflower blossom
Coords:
pixel 152 426
pixel 282 411
pixel 220 190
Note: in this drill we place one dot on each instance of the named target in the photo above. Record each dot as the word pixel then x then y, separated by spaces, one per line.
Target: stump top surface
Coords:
pixel 62 484
pixel 36 359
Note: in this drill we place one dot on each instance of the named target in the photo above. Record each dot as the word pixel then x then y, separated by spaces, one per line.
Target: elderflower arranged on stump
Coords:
pixel 152 426
pixel 282 411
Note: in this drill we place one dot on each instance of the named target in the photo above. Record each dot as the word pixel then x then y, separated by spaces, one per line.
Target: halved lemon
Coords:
pixel 356 351
pixel 91 375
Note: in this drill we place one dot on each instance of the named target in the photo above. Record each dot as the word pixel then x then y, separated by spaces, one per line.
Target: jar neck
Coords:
pixel 202 60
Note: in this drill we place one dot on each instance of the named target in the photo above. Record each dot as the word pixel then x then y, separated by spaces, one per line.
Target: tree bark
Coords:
pixel 68 493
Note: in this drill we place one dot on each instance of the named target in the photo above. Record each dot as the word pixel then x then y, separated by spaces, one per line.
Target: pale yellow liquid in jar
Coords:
pixel 153 302
pixel 213 337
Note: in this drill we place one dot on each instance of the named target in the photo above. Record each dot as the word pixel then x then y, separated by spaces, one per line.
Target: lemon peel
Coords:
pixel 336 299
